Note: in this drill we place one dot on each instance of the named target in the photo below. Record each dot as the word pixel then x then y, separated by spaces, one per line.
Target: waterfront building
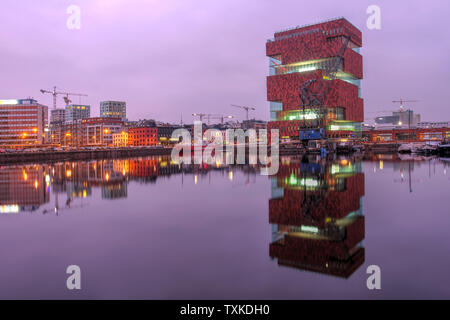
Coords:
pixel 143 133
pixel 113 109
pixel 99 131
pixel 57 121
pixel 22 122
pixel 165 134
pixel 402 118
pixel 75 112
pixel 254 124
pixel 315 80
pixel 120 139
pixel 402 134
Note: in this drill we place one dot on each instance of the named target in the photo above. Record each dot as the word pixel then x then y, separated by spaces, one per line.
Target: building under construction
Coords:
pixel 314 86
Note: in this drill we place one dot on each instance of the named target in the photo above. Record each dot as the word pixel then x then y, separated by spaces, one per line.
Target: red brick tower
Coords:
pixel 319 62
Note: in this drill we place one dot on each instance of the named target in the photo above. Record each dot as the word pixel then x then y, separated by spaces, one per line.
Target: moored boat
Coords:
pixel 427 149
pixel 444 148
pixel 409 147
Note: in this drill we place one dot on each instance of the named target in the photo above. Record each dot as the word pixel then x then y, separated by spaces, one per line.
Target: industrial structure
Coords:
pixel 66 95
pixel 314 84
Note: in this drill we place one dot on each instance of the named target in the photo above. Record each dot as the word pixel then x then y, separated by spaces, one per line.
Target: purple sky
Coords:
pixel 170 57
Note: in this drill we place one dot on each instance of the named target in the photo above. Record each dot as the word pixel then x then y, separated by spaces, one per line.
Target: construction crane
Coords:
pixel 245 108
pixel 220 117
pixel 401 101
pixel 55 93
pixel 200 115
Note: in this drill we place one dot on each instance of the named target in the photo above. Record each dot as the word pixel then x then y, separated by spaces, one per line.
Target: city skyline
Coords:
pixel 168 58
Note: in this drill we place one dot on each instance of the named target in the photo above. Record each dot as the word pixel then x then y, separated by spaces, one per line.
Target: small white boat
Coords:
pixel 409 147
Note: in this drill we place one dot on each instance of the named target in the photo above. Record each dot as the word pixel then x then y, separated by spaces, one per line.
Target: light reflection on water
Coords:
pixel 150 228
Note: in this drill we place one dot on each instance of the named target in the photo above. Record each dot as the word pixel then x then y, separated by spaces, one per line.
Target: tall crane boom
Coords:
pixel 55 93
pixel 401 101
pixel 245 108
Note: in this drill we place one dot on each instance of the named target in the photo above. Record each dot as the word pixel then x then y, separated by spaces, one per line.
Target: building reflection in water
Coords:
pixel 23 188
pixel 27 187
pixel 316 215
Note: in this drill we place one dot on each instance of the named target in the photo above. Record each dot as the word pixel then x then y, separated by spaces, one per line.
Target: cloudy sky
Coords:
pixel 171 57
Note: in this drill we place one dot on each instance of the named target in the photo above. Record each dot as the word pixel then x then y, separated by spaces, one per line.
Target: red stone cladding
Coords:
pixel 335 204
pixel 318 45
pixel 348 30
pixel 319 262
pixel 313 250
pixel 323 40
pixel 287 128
pixel 353 63
pixel 286 88
pixel 312 47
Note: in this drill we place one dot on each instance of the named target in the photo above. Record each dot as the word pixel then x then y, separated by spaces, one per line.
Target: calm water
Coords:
pixel 146 228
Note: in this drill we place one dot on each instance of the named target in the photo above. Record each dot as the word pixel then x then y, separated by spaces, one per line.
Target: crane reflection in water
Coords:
pixel 316 215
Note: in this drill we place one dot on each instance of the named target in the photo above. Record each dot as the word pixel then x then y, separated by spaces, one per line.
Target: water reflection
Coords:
pixel 316 215
pixel 28 187
pixel 404 165
pixel 188 229
pixel 23 188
